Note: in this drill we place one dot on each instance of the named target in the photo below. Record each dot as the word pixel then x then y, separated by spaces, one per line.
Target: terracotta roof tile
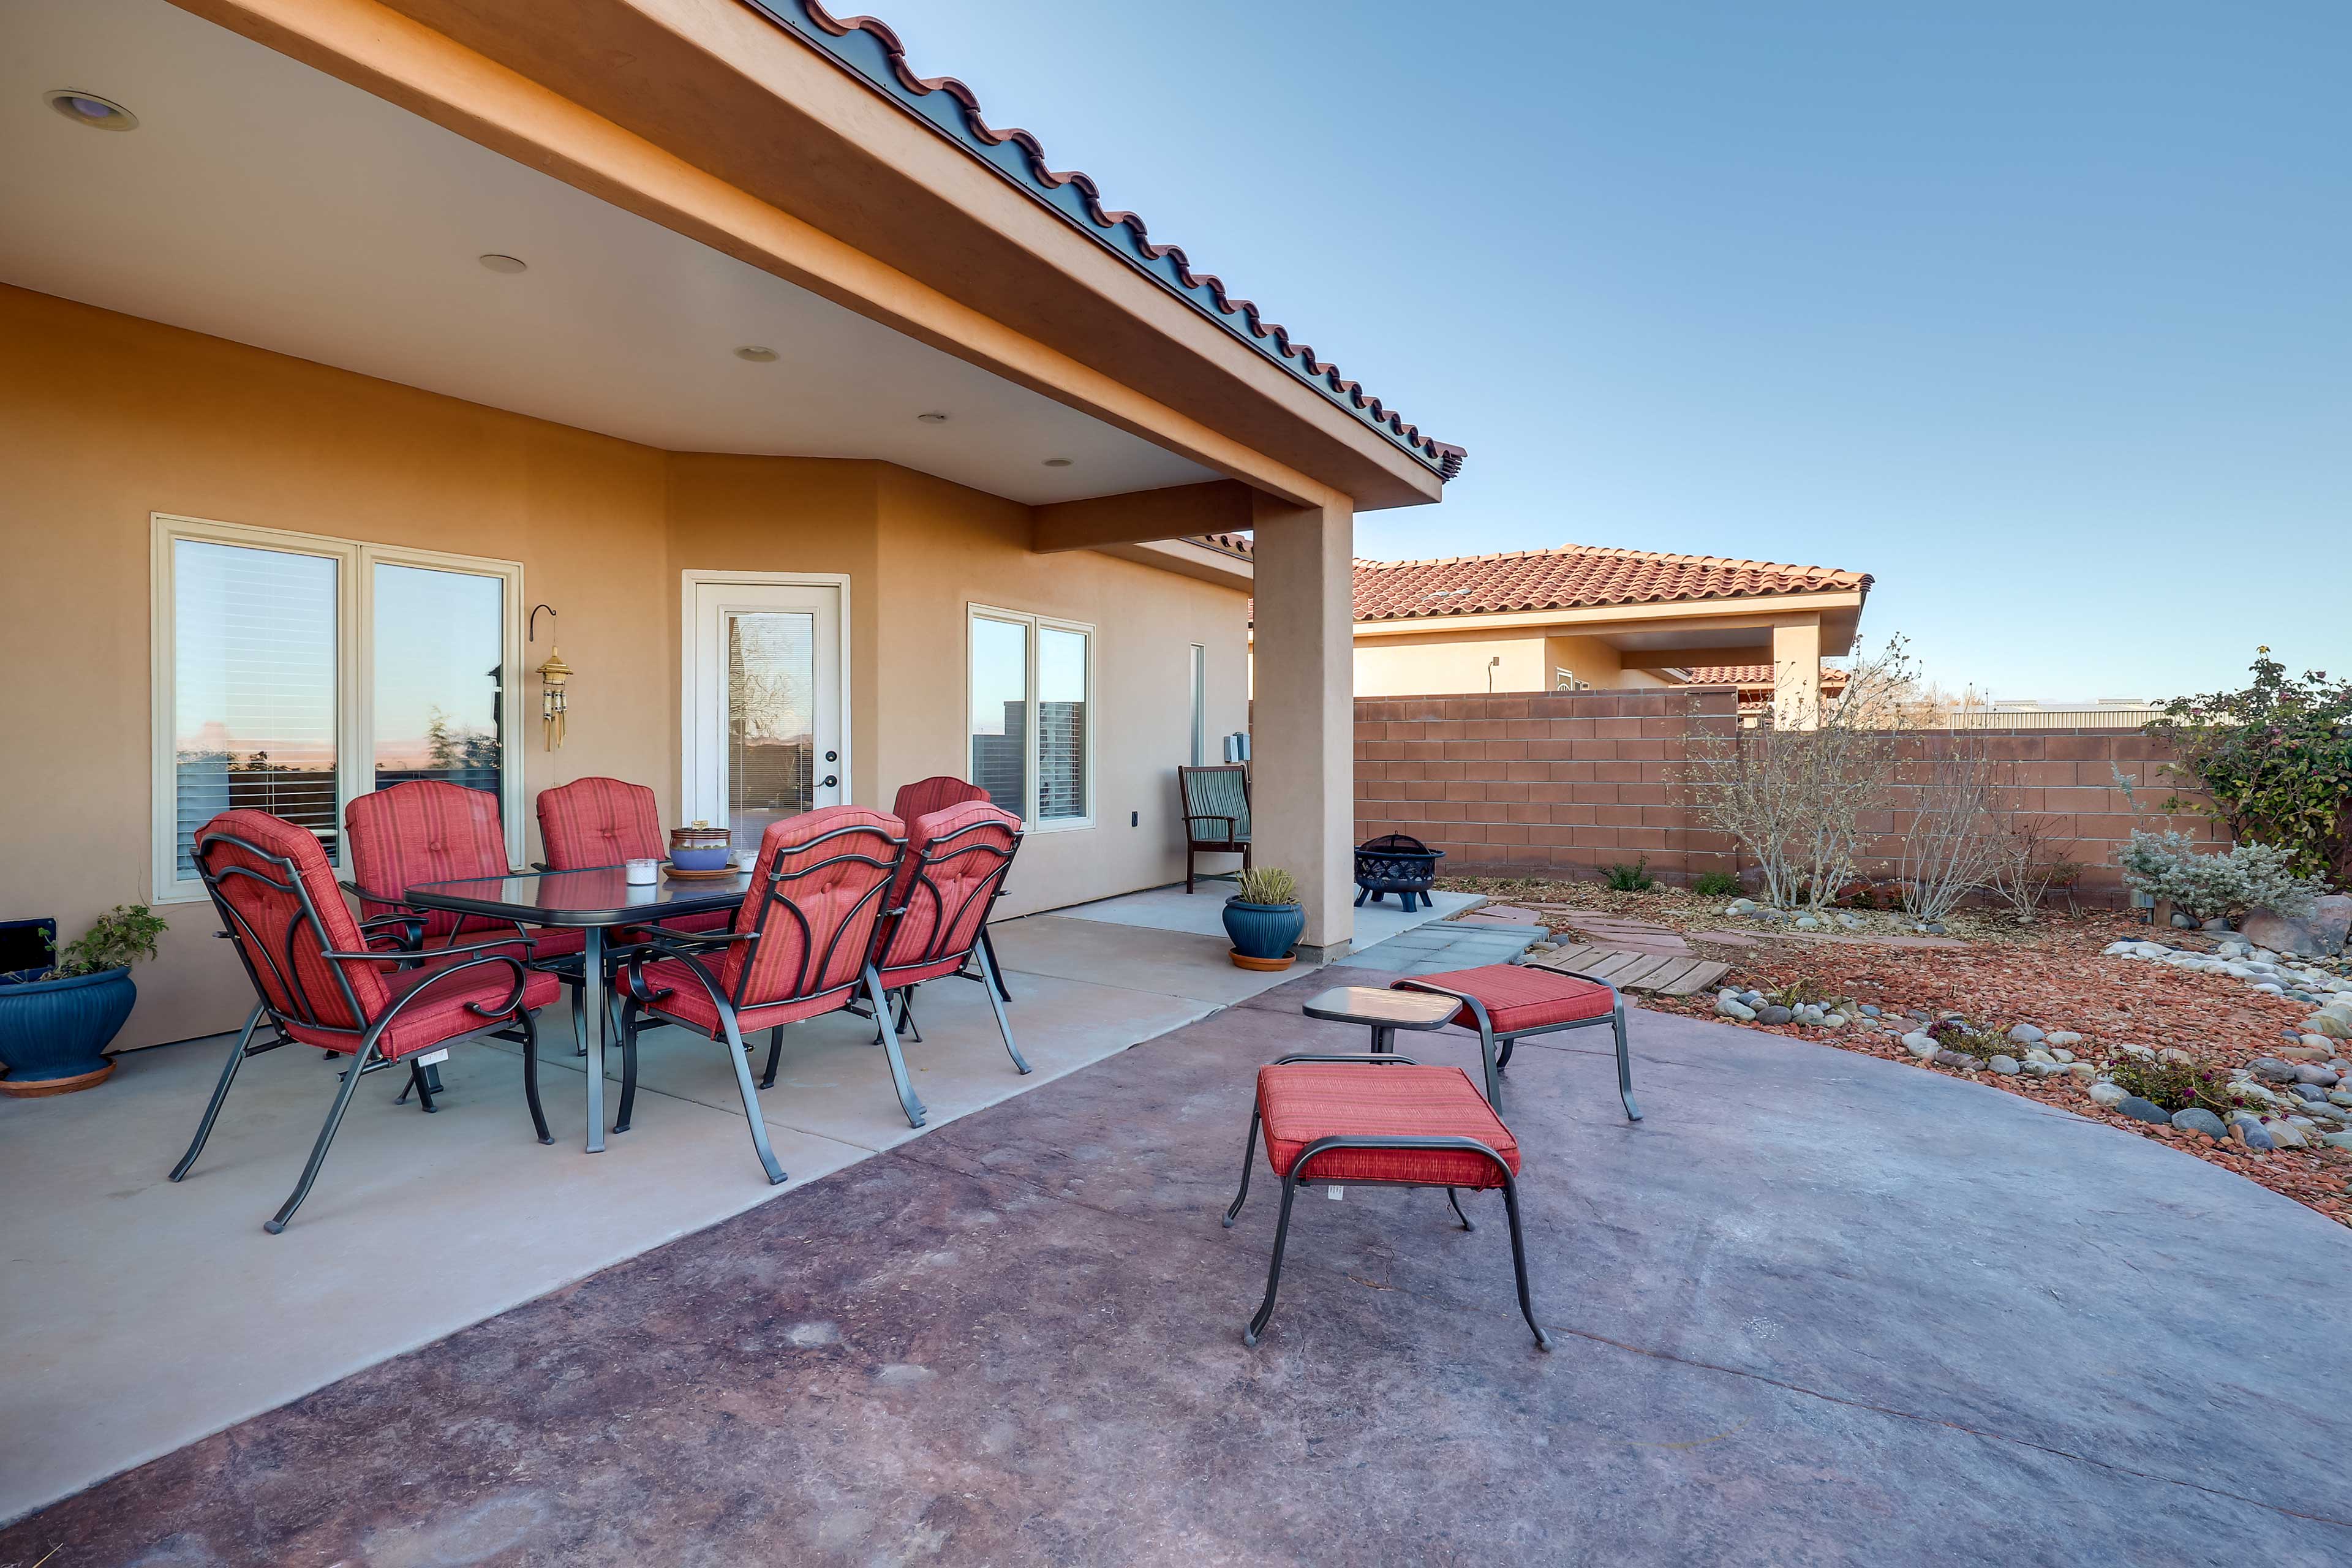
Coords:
pixel 1575 577
pixel 1833 678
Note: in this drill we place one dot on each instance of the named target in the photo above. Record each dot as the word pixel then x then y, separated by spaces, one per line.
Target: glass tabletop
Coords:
pixel 601 895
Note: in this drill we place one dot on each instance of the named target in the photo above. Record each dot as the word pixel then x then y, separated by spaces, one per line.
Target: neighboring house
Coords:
pixel 835 437
pixel 1757 685
pixel 1585 616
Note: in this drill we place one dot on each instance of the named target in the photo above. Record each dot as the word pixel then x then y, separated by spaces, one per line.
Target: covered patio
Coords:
pixel 1807 1310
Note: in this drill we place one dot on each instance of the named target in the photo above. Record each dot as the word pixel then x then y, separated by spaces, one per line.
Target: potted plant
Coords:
pixel 57 1022
pixel 1262 917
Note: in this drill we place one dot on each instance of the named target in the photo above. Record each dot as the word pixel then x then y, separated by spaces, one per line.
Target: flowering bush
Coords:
pixel 2168 865
pixel 2273 762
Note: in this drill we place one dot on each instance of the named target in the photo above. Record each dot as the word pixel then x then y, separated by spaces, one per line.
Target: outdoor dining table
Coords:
pixel 596 900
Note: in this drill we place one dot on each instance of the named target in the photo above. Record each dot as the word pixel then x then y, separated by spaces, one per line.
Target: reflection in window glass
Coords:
pixel 253 687
pixel 440 646
pixel 999 711
pixel 1061 724
pixel 771 719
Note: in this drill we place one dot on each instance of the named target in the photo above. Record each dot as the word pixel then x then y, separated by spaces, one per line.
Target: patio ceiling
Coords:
pixel 265 202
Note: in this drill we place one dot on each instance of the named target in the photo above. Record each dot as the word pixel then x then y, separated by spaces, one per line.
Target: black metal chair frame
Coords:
pixel 249 943
pixel 989 888
pixel 1229 845
pixel 1488 1039
pixel 1294 1176
pixel 691 947
pixel 409 951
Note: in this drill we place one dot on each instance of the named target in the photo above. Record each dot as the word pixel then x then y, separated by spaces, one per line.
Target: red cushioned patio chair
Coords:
pixel 429 830
pixel 1507 1003
pixel 918 800
pixel 1380 1120
pixel 596 822
pixel 952 873
pixel 802 944
pixel 320 982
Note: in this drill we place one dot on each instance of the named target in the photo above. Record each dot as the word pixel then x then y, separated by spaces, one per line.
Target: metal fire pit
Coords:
pixel 1396 863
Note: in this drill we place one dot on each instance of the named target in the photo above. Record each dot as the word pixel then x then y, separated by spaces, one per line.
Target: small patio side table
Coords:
pixel 596 900
pixel 1383 1011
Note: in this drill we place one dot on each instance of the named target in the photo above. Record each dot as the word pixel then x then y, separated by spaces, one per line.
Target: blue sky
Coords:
pixel 2042 313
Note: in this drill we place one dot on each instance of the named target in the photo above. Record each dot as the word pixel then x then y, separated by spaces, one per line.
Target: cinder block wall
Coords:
pixel 1546 783
pixel 1564 784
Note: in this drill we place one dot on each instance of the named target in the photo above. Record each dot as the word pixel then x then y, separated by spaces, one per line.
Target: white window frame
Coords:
pixel 1196 677
pixel 976 611
pixel 356 561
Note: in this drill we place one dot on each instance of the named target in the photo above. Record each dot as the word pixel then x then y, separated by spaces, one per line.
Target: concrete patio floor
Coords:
pixel 144 1315
pixel 1817 1308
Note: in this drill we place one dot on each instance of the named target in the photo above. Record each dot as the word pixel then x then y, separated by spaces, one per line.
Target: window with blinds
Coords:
pixel 1031 715
pixel 295 671
pixel 1062 783
pixel 254 688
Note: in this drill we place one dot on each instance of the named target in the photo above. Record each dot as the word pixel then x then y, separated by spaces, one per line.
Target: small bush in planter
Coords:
pixel 2175 1086
pixel 1266 885
pixel 55 1026
pixel 1717 885
pixel 1262 917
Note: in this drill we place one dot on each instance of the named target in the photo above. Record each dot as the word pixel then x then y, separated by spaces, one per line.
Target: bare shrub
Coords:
pixel 1947 844
pixel 1794 799
pixel 2026 861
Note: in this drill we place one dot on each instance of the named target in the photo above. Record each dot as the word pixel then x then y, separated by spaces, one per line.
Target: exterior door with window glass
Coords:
pixel 763 704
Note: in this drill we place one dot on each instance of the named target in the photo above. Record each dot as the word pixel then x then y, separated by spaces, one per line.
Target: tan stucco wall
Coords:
pixel 106 419
pixel 1444 664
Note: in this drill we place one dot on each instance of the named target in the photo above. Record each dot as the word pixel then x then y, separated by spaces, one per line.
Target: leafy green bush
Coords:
pixel 2168 865
pixel 2273 762
pixel 1634 879
pixel 1266 885
pixel 2176 1085
pixel 116 939
pixel 1717 885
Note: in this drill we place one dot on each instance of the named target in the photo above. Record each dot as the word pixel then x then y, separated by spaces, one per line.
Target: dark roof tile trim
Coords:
pixel 872 50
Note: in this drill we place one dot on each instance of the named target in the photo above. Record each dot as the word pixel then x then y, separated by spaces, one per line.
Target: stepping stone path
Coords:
pixel 1667 975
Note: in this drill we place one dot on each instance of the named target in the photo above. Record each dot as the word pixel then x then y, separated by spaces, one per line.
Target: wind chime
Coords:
pixel 552 674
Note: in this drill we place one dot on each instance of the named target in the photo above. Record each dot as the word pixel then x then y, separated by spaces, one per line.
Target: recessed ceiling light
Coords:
pixel 756 353
pixel 503 263
pixel 89 108
pixel 932 418
pixel 1057 462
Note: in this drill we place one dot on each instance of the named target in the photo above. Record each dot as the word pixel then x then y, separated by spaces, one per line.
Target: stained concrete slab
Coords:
pixel 1817 1308
pixel 421 1225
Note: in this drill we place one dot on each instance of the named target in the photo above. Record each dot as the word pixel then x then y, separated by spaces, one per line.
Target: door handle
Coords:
pixel 831 780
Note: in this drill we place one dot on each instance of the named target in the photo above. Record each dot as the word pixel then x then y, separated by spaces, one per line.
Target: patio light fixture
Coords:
pixel 932 418
pixel 757 353
pixel 507 264
pixel 89 108
pixel 1057 462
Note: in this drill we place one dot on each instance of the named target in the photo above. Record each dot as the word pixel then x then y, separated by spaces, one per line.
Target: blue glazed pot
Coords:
pixel 1263 931
pixel 704 859
pixel 57 1029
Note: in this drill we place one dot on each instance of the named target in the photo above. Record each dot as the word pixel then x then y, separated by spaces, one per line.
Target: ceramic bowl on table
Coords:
pixel 701 848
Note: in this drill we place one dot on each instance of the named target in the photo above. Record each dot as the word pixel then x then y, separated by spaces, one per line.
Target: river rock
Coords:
pixel 2140 1110
pixel 2005 1065
pixel 2197 1119
pixel 2024 1035
pixel 1731 1007
pixel 2106 1094
pixel 1920 1045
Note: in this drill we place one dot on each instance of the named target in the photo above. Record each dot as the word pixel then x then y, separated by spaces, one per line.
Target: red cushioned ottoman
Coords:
pixel 1507 1002
pixel 1381 1119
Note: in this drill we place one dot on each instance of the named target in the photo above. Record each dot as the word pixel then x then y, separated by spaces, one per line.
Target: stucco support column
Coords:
pixel 1797 675
pixel 1303 713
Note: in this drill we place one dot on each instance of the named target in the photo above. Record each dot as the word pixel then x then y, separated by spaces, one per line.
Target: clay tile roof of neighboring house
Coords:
pixel 1833 678
pixel 873 51
pixel 1240 545
pixel 1575 577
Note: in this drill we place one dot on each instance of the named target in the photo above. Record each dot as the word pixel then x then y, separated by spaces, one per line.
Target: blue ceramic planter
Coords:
pixel 1263 931
pixel 51 1030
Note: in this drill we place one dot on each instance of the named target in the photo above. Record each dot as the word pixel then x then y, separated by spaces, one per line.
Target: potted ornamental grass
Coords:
pixel 56 1020
pixel 1264 919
